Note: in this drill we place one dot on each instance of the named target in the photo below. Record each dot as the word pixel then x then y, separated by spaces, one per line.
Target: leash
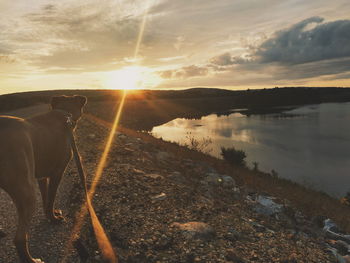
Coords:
pixel 101 237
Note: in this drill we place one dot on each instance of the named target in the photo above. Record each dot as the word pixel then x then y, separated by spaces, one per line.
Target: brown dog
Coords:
pixel 36 149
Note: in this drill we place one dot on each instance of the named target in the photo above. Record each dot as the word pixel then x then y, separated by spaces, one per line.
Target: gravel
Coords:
pixel 143 191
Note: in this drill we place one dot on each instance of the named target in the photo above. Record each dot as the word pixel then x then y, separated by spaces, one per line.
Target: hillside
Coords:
pixel 163 203
pixel 147 108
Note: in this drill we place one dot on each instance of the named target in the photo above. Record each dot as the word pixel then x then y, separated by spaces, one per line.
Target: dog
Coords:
pixel 34 150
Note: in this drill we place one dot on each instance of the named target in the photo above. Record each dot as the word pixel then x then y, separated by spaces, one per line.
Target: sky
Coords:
pixel 168 44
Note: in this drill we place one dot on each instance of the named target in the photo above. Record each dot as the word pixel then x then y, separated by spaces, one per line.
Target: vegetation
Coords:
pixel 202 145
pixel 346 199
pixel 233 156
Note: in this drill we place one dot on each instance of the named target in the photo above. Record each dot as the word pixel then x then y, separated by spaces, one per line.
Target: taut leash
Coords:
pixel 101 237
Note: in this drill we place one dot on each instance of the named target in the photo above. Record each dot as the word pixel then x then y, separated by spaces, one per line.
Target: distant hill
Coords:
pixel 247 98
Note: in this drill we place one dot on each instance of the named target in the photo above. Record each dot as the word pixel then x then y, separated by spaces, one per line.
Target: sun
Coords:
pixel 131 78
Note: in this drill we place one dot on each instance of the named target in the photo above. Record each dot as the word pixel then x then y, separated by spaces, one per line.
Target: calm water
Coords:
pixel 309 145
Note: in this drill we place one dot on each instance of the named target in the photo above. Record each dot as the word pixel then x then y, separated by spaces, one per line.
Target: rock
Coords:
pixel 292 258
pixel 233 235
pixel 196 230
pixel 236 190
pixel 340 258
pixel 137 171
pixel 233 256
pixel 228 181
pixel 213 179
pixel 2 233
pixel 92 136
pixel 266 206
pixel 127 150
pixel 329 225
pixel 154 176
pixel 121 136
pixel 342 247
pixel 258 227
pixel 332 231
pixel 159 197
pixel 163 243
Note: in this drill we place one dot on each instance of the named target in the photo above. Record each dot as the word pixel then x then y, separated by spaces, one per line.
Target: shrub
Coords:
pixel 346 199
pixel 200 145
pixel 233 156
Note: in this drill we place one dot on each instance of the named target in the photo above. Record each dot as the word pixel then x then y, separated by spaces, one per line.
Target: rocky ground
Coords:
pixel 157 206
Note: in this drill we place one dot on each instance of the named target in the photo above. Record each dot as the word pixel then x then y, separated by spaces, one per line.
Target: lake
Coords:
pixel 309 144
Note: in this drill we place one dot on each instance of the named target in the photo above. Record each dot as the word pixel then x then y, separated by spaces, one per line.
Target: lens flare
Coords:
pixel 102 163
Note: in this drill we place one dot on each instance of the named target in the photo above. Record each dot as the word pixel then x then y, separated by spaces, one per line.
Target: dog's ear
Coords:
pixel 56 101
pixel 81 100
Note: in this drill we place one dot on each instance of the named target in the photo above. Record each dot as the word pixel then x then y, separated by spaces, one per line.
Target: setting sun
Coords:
pixel 131 78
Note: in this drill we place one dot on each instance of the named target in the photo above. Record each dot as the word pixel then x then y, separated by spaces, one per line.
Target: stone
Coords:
pixel 233 235
pixel 233 256
pixel 195 230
pixel 212 179
pixel 121 136
pixel 137 171
pixel 92 136
pixel 228 181
pixel 342 247
pixel 266 206
pixel 2 233
pixel 159 197
pixel 154 176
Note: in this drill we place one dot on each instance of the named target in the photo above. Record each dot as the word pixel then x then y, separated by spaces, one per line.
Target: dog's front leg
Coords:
pixel 43 186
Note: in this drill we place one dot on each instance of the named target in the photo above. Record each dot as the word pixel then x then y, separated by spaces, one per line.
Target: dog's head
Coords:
pixel 71 104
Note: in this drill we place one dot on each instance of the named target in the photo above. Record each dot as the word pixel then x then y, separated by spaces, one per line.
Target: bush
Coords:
pixel 200 145
pixel 346 199
pixel 233 156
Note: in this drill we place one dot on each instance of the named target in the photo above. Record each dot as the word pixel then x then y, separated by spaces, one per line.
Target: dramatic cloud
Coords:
pixel 49 44
pixel 307 49
pixel 298 44
pixel 185 72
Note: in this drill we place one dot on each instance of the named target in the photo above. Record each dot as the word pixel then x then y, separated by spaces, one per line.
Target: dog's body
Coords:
pixel 36 149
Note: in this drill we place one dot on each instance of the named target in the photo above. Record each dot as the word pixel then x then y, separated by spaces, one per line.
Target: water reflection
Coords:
pixel 310 145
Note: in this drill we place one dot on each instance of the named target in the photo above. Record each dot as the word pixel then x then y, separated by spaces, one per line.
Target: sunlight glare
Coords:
pixel 131 78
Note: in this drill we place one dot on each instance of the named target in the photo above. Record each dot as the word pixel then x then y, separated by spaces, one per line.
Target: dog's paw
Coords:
pixel 57 217
pixel 37 260
pixel 57 212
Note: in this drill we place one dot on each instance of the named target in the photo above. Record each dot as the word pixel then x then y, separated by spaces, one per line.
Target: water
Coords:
pixel 309 145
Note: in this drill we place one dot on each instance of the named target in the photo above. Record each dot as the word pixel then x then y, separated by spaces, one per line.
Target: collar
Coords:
pixel 69 117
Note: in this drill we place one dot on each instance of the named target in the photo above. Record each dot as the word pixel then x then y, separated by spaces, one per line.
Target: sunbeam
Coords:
pixel 102 163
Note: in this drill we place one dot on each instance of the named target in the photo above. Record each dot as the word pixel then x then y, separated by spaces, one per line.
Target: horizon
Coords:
pixel 170 45
pixel 174 89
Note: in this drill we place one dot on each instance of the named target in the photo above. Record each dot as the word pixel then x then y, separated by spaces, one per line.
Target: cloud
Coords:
pixel 184 72
pixel 87 36
pixel 227 59
pixel 307 49
pixel 6 59
pixel 298 44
